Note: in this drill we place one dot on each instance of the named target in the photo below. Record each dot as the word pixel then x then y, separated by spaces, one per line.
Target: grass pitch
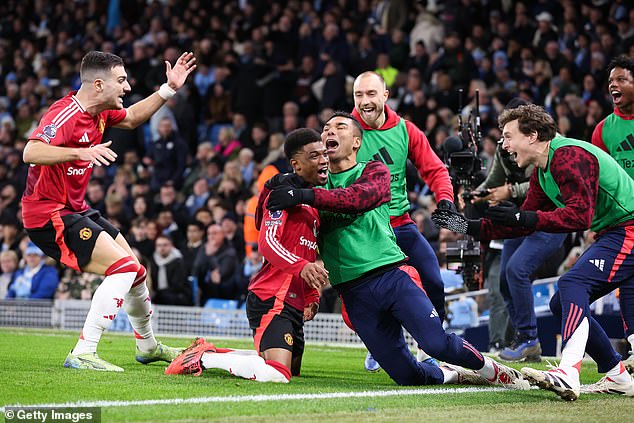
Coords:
pixel 333 387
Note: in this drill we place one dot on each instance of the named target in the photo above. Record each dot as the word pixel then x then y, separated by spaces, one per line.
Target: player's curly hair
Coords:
pixel 298 138
pixel 97 61
pixel 623 61
pixel 531 118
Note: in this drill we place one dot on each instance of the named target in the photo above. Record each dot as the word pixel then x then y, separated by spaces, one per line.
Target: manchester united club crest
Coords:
pixel 85 234
pixel 288 338
pixel 102 125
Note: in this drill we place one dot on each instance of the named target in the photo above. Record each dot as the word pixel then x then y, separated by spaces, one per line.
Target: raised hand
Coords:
pixel 98 155
pixel 285 197
pixel 177 75
pixel 450 220
pixel 280 179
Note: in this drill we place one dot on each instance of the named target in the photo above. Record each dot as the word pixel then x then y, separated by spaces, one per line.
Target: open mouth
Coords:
pixel 331 145
pixel 323 172
pixel 616 96
pixel 513 156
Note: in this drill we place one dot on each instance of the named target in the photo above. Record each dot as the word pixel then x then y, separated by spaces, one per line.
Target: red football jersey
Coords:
pixel 62 187
pixel 288 241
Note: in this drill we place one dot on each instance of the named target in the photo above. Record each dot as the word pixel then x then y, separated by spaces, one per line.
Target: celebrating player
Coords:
pixel 575 186
pixel 368 269
pixel 394 140
pixel 283 294
pixel 615 135
pixel 62 152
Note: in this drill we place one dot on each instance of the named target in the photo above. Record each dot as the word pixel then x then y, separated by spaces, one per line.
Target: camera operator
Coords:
pixel 519 259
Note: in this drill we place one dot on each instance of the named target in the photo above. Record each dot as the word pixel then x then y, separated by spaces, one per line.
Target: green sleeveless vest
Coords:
pixel 390 147
pixel 354 244
pixel 618 137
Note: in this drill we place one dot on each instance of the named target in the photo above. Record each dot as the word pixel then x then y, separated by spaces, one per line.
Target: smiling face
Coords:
pixel 621 88
pixel 311 163
pixel 341 140
pixel 518 144
pixel 370 96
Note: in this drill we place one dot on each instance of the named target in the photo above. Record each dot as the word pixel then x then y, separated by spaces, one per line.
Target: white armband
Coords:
pixel 166 92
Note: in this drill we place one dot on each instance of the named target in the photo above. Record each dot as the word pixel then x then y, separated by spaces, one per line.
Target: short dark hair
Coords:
pixel 622 61
pixel 298 138
pixel 530 118
pixel 98 61
pixel 357 126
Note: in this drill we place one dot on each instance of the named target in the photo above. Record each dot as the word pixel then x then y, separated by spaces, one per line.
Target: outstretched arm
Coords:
pixel 366 193
pixel 369 191
pixel 176 76
pixel 40 153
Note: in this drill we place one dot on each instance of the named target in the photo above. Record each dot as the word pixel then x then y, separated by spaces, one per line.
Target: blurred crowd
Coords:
pixel 183 187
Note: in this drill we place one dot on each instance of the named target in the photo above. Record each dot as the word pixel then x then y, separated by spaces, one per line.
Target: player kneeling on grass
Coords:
pixel 380 291
pixel 283 294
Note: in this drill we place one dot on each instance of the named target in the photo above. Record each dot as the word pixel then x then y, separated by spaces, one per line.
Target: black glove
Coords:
pixel 508 214
pixel 286 196
pixel 455 222
pixel 281 179
pixel 446 205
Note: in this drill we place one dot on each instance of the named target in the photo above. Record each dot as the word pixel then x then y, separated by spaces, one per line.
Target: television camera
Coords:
pixel 461 157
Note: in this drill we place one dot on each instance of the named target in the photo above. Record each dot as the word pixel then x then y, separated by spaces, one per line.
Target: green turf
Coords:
pixel 32 373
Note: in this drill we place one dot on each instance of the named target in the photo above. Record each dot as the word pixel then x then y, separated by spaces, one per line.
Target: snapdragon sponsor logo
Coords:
pixel 307 243
pixel 74 171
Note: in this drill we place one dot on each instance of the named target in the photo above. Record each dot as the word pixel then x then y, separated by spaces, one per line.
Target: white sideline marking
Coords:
pixel 256 398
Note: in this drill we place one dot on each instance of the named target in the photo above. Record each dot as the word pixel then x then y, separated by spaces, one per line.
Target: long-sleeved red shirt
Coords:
pixel 576 172
pixel 288 241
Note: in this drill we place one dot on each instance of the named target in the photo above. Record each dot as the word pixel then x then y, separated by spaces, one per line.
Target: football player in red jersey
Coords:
pixel 62 152
pixel 283 294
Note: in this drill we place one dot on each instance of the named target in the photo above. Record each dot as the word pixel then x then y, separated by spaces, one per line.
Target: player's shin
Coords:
pixel 106 302
pixel 139 309
pixel 252 367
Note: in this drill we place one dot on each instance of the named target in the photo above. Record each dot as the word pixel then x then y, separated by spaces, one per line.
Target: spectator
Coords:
pixel 96 195
pixel 234 234
pixel 217 266
pixel 193 244
pixel 138 237
pixel 167 156
pixel 169 275
pixel 77 285
pixel 36 280
pixel 228 146
pixel 11 235
pixel 198 197
pixel 8 270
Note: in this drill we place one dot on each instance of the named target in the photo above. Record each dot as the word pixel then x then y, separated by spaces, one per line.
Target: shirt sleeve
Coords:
pixel 369 191
pixel 576 172
pixel 430 167
pixel 597 136
pixel 270 245
pixel 311 295
pixel 115 116
pixel 53 129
